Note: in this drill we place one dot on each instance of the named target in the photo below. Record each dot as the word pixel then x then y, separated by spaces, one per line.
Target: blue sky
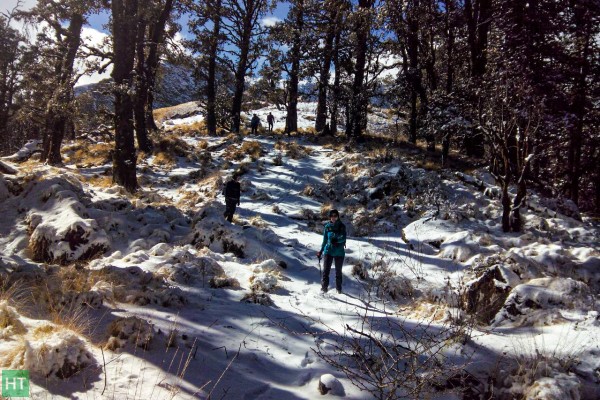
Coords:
pixel 98 21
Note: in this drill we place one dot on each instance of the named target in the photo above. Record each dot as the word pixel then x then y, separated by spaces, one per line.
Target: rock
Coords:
pixel 486 295
pixel 330 384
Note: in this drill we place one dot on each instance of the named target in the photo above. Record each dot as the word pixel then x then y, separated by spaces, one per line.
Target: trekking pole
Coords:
pixel 320 273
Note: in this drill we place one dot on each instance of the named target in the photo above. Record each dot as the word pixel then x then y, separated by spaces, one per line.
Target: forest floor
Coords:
pixel 104 294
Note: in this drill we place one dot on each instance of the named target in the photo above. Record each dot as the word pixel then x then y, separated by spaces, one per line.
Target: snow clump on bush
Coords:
pixel 132 330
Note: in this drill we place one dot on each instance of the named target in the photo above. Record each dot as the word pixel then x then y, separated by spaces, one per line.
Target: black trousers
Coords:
pixel 339 262
pixel 229 209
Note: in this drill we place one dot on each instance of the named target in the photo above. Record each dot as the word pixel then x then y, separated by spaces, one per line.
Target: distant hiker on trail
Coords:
pixel 270 121
pixel 232 197
pixel 334 241
pixel 254 124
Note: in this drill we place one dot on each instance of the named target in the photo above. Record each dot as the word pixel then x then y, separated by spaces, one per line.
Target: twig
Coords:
pixel 222 347
pixel 224 371
pixel 105 371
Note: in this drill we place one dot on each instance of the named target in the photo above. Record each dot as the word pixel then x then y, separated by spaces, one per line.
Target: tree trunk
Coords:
pixel 211 84
pixel 61 102
pixel 413 74
pixel 360 99
pixel 124 21
pixel 148 72
pixel 505 207
pixel 479 16
pixel 446 140
pixel 240 75
pixel 412 121
pixel 141 93
pixel 321 117
pixel 157 33
pixel 291 120
pixel 336 84
pixel 578 107
pixel 515 218
pixel 450 48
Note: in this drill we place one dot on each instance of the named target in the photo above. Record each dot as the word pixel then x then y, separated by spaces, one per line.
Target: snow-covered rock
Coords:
pixel 329 384
pixel 61 230
pixel 4 192
pixel 263 282
pixel 460 246
pixel 540 301
pixel 32 146
pixel 558 387
pixel 486 294
pixel 213 233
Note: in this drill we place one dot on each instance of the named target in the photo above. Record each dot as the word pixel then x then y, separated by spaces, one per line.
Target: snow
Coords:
pixel 184 304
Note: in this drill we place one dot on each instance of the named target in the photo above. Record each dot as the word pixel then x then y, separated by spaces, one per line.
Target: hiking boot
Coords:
pixel 323 290
pixel 339 291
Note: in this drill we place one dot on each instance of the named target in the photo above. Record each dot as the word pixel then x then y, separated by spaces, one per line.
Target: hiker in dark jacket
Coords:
pixel 270 121
pixel 232 197
pixel 254 124
pixel 334 241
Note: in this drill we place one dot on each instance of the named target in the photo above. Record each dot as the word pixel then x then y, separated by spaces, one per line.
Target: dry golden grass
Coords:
pixel 15 293
pixel 172 145
pixel 308 191
pixel 248 148
pixel 308 131
pixel 29 166
pixel 43 330
pixel 211 184
pixel 89 155
pixel 384 153
pixel 100 181
pixel 160 114
pixel 257 221
pixel 14 357
pixel 189 199
pixel 164 159
pixel 334 145
pixel 9 318
pixel 193 129
pixel 325 208
pixel 75 278
pixel 252 148
pixel 353 169
pixel 202 145
pixel 426 310
pixel 428 164
pixel 292 149
pixel 232 137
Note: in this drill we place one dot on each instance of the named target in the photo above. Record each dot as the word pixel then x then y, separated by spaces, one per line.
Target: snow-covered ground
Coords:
pixel 156 296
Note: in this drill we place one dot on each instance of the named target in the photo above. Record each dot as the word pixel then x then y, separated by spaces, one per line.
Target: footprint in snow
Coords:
pixel 304 379
pixel 307 360
pixel 253 394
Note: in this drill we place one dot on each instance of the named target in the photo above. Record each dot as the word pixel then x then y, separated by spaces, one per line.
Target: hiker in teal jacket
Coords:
pixel 334 241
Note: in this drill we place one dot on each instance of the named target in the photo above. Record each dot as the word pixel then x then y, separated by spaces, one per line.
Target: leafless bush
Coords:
pixel 393 358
